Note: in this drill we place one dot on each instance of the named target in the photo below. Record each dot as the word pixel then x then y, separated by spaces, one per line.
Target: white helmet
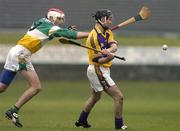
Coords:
pixel 55 13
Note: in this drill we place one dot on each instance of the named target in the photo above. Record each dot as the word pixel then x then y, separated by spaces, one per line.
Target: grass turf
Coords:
pixel 148 106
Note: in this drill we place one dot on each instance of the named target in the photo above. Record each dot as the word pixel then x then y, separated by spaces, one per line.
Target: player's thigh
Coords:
pixel 99 77
pixel 12 60
pixel 96 95
pixel 32 78
pixel 114 91
pixel 93 79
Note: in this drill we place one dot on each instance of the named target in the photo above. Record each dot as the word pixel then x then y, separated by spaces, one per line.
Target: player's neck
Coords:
pixel 100 27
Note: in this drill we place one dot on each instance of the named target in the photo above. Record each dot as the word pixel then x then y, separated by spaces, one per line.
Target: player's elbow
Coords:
pixel 113 48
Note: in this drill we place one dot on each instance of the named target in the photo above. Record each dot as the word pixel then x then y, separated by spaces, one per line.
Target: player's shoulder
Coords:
pixel 48 24
pixel 92 33
pixel 109 31
pixel 45 21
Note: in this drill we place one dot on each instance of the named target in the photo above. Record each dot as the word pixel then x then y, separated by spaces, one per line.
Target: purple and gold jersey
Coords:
pixel 99 41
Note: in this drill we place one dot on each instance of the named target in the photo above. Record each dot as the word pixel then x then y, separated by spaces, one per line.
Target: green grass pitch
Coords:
pixel 148 106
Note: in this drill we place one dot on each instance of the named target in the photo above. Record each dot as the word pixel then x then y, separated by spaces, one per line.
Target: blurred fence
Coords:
pixel 70 63
pixel 69 54
pixel 21 13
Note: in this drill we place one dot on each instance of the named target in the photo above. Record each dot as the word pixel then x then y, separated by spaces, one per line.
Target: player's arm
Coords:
pixel 106 55
pixel 71 34
pixel 113 47
pixel 81 35
pixel 113 44
pixel 103 58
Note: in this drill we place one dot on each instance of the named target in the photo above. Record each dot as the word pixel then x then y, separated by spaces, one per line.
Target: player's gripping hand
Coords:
pixel 22 62
pixel 72 27
pixel 108 54
pixel 103 57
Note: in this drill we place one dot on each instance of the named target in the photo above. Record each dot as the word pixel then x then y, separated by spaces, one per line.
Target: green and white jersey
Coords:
pixel 42 31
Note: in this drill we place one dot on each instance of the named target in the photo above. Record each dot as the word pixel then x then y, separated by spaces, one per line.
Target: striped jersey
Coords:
pixel 42 31
pixel 99 41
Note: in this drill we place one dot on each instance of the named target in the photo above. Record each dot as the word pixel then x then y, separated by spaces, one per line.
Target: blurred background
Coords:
pixel 149 78
pixel 141 43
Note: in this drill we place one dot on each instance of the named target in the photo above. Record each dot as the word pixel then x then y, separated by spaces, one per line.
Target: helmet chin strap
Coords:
pixel 103 23
pixel 53 22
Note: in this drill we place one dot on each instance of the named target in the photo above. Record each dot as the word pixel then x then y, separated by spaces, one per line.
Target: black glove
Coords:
pixel 22 62
pixel 72 27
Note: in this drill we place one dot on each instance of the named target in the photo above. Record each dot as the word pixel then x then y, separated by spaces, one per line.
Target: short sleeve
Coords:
pixel 111 38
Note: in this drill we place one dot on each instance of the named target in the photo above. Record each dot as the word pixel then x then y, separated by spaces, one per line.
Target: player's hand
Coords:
pixel 22 66
pixel 105 52
pixel 22 62
pixel 108 54
pixel 72 27
pixel 103 57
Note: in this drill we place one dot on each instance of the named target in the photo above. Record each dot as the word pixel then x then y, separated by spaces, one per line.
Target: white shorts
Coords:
pixel 12 62
pixel 99 77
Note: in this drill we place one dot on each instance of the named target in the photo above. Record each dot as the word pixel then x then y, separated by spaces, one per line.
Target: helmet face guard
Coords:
pixel 55 14
pixel 103 13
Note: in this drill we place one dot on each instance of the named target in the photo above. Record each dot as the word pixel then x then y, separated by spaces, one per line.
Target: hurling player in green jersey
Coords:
pixel 19 57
